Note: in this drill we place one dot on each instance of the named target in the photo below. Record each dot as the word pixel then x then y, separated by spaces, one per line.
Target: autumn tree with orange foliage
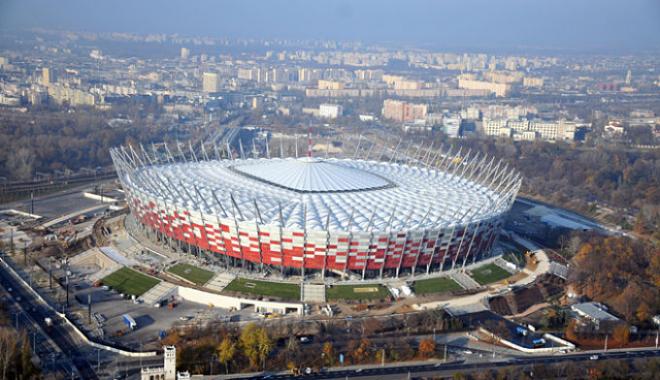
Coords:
pixel 621 335
pixel 426 348
pixel 361 354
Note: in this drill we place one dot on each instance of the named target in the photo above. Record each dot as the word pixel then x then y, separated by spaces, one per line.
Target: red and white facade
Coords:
pixel 371 218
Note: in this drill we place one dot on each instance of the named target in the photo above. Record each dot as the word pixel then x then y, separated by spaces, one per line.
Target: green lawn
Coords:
pixel 128 281
pixel 489 273
pixel 356 292
pixel 282 290
pixel 435 285
pixel 193 274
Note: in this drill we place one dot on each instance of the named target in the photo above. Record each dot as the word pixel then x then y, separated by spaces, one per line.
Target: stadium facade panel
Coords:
pixel 366 217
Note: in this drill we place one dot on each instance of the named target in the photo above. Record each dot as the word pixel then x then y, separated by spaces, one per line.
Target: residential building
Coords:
pixel 257 102
pixel 499 89
pixel 532 82
pixel 210 82
pixel 75 97
pixel 471 113
pixel 330 85
pixel 330 111
pixel 452 126
pixel 522 129
pixel 404 112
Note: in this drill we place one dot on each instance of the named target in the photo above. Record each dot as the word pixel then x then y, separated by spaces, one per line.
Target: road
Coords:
pixel 55 204
pixel 61 334
pixel 448 369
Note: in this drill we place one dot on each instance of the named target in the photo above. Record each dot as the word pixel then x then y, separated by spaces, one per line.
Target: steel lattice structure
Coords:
pixel 372 214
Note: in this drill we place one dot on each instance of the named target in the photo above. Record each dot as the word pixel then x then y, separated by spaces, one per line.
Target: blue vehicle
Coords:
pixel 540 342
pixel 129 321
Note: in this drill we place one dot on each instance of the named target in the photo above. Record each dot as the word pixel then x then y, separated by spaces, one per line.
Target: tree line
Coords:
pixel 47 141
pixel 620 272
pixel 282 345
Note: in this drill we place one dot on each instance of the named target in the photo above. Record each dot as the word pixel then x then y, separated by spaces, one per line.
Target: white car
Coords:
pixel 593 357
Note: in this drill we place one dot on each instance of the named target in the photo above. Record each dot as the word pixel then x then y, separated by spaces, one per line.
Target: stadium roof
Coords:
pixel 319 194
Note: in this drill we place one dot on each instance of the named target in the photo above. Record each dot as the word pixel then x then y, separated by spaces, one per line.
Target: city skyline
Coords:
pixel 579 26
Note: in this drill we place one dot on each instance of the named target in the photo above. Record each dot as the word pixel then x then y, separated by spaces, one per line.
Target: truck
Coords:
pixel 129 321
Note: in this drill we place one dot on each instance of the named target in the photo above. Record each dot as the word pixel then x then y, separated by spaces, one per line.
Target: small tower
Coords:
pixel 169 362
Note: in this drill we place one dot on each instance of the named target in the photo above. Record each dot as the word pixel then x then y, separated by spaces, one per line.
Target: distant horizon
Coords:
pixel 605 26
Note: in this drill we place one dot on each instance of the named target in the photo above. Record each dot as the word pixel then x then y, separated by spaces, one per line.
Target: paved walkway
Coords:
pixel 219 281
pixel 158 293
pixel 464 280
pixel 313 293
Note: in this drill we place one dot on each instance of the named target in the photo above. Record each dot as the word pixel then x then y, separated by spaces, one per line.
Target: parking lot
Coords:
pixel 108 308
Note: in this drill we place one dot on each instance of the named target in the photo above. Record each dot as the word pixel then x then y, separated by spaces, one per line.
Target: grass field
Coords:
pixel 128 281
pixel 282 290
pixel 435 285
pixel 356 292
pixel 193 274
pixel 489 273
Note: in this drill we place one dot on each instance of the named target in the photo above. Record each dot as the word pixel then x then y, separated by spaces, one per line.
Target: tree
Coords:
pixel 361 353
pixel 640 224
pixel 426 348
pixel 250 344
pixel 226 351
pixel 643 312
pixel 27 368
pixel 328 353
pixel 8 345
pixel 264 345
pixel 570 333
pixel 621 334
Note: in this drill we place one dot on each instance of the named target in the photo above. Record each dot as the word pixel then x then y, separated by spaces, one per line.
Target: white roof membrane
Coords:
pixel 337 194
pixel 311 175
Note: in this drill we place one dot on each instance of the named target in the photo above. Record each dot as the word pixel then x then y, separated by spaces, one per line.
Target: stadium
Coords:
pixel 341 217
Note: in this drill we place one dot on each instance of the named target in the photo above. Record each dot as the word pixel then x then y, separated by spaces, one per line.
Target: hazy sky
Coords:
pixel 469 24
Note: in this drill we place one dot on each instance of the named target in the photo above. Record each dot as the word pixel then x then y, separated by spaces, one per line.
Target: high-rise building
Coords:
pixel 210 82
pixel 46 76
pixel 628 77
pixel 185 53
